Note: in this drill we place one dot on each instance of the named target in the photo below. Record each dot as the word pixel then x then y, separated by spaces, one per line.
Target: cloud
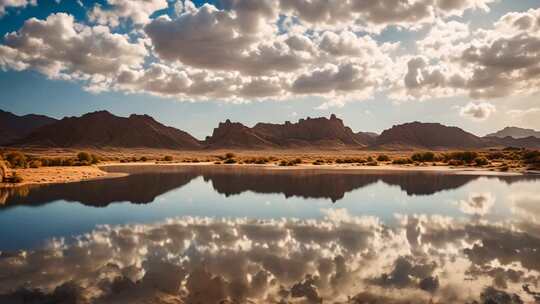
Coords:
pixel 484 63
pixel 61 48
pixel 137 11
pixel 243 50
pixel 5 4
pixel 332 78
pixel 205 37
pixel 377 15
pixel 477 111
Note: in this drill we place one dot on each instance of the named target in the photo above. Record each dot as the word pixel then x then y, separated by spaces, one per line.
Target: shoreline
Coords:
pixel 60 175
pixel 333 167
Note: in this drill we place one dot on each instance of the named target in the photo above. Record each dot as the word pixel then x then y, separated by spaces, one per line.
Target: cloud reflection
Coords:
pixel 478 204
pixel 337 259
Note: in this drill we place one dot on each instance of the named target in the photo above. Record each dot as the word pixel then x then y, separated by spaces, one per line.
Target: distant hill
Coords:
pixel 236 135
pixel 311 132
pixel 530 142
pixel 369 138
pixel 13 127
pixel 324 132
pixel 515 132
pixel 103 129
pixel 427 136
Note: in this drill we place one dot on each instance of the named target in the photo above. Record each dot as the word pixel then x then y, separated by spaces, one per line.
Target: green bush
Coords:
pixel 167 158
pixel 402 161
pixel 94 159
pixel 465 156
pixel 369 159
pixel 456 162
pixel 230 155
pixel 144 158
pixel 481 161
pixel 36 163
pixel 423 157
pixel 55 162
pixel 45 162
pixel 348 160
pixel 68 162
pixel 289 163
pixel 84 156
pixel 531 157
pixel 383 158
pixel 512 149
pixel 16 160
pixel 496 155
pixel 258 161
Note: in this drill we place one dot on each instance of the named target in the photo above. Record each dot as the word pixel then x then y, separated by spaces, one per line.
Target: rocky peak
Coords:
pixel 429 136
pixel 98 114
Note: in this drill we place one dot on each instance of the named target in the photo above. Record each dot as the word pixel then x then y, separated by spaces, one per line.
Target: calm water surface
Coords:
pixel 246 235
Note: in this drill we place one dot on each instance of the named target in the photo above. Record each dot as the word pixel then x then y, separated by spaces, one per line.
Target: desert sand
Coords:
pixel 54 175
pixel 328 167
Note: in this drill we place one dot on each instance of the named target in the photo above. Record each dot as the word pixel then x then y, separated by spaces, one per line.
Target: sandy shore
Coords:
pixel 53 175
pixel 58 175
pixel 329 167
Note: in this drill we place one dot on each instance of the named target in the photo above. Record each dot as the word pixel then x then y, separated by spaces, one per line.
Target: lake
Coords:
pixel 204 234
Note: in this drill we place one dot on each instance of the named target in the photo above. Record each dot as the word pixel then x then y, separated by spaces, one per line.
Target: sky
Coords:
pixel 474 64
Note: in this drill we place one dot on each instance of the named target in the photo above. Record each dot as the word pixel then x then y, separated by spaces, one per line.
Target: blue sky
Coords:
pixel 372 101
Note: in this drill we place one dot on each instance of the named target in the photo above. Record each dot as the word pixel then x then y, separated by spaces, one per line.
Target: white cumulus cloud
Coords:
pixel 477 111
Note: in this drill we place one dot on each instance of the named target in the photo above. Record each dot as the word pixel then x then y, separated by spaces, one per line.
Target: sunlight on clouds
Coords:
pixel 477 111
pixel 243 50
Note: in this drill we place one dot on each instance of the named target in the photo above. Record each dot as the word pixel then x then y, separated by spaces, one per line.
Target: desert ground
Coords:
pixel 485 162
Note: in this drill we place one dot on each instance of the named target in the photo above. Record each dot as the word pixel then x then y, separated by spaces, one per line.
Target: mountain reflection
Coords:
pixel 338 259
pixel 146 183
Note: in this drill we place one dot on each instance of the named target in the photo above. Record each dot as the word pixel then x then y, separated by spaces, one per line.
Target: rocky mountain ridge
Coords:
pixel 103 129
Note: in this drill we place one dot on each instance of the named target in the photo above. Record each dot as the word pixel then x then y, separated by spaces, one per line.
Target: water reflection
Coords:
pixel 339 259
pixel 403 239
pixel 145 184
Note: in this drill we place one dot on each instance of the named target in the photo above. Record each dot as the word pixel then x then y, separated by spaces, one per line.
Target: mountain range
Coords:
pixel 103 129
pixel 13 127
pixel 515 132
pixel 309 132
